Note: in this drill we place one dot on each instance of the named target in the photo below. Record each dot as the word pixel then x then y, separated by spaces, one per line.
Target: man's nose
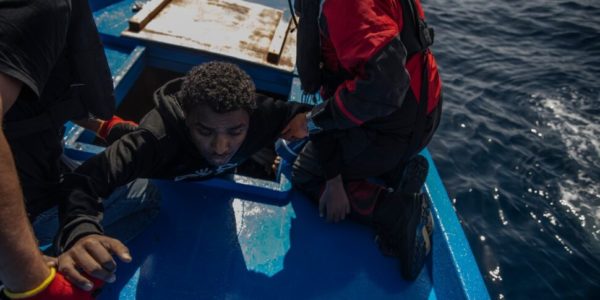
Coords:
pixel 221 145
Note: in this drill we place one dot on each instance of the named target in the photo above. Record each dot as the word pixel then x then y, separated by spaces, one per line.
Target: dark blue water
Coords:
pixel 519 145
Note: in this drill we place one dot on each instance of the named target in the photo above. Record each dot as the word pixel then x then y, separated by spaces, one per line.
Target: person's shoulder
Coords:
pixel 333 4
pixel 162 124
pixel 266 105
pixel 263 100
pixel 166 118
pixel 33 37
pixel 345 7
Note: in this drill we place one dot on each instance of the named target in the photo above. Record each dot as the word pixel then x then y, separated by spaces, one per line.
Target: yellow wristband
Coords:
pixel 33 291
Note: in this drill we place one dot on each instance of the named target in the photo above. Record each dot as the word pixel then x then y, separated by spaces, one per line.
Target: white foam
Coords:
pixel 575 199
pixel 580 133
pixel 495 274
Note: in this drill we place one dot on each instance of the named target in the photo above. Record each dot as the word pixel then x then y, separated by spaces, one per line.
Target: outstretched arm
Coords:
pixel 85 250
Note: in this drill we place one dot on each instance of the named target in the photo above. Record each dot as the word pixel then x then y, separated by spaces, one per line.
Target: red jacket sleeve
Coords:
pixel 366 37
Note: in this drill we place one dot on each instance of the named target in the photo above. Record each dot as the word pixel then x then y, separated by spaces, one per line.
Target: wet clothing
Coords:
pixel 372 85
pixel 54 49
pixel 161 148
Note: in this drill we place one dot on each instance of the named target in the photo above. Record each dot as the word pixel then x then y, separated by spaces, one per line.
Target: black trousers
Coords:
pixel 381 155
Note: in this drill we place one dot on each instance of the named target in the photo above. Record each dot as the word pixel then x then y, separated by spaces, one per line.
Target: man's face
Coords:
pixel 217 136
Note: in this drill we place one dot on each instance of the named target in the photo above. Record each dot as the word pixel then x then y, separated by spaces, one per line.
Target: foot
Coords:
pixel 404 222
pixel 416 240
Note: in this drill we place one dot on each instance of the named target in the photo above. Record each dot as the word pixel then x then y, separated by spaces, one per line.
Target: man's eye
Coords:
pixel 236 132
pixel 204 132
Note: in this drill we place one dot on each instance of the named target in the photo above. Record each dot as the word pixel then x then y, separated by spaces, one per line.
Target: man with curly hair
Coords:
pixel 204 124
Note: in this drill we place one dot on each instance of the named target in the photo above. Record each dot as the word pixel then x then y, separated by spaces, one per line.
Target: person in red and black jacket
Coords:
pixel 382 104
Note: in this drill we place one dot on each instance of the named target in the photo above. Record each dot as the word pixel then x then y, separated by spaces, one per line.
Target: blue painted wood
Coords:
pixel 111 16
pixel 212 243
pixel 182 60
pixel 116 57
pixel 455 271
pixel 128 72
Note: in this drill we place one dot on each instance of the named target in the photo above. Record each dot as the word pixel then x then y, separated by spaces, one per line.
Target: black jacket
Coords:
pixel 160 148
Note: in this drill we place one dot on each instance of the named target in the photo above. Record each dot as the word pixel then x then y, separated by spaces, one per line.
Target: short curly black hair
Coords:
pixel 224 87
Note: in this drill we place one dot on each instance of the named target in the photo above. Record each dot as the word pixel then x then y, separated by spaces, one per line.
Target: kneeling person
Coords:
pixel 204 124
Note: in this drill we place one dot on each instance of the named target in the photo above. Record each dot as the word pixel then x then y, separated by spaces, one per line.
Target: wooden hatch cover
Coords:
pixel 235 28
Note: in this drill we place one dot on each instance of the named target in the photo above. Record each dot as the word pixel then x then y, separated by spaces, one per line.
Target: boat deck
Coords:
pixel 211 242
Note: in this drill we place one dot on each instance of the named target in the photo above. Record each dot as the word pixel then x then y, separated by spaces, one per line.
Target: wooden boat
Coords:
pixel 243 237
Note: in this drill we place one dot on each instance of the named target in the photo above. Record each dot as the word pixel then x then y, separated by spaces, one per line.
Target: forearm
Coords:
pixel 80 214
pixel 109 130
pixel 91 124
pixel 21 264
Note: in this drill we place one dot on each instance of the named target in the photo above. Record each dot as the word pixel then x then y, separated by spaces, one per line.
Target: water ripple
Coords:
pixel 518 146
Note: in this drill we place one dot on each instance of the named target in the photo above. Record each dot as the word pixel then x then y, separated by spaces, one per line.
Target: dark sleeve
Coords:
pixel 270 118
pixel 329 152
pixel 88 63
pixel 367 41
pixel 33 35
pixel 133 156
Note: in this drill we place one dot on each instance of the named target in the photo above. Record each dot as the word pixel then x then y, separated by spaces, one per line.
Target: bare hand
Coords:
pixel 92 254
pixel 51 261
pixel 334 200
pixel 296 129
pixel 276 163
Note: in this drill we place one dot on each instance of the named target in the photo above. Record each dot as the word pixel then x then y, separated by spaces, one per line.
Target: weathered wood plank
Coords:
pixel 232 28
pixel 278 41
pixel 148 11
